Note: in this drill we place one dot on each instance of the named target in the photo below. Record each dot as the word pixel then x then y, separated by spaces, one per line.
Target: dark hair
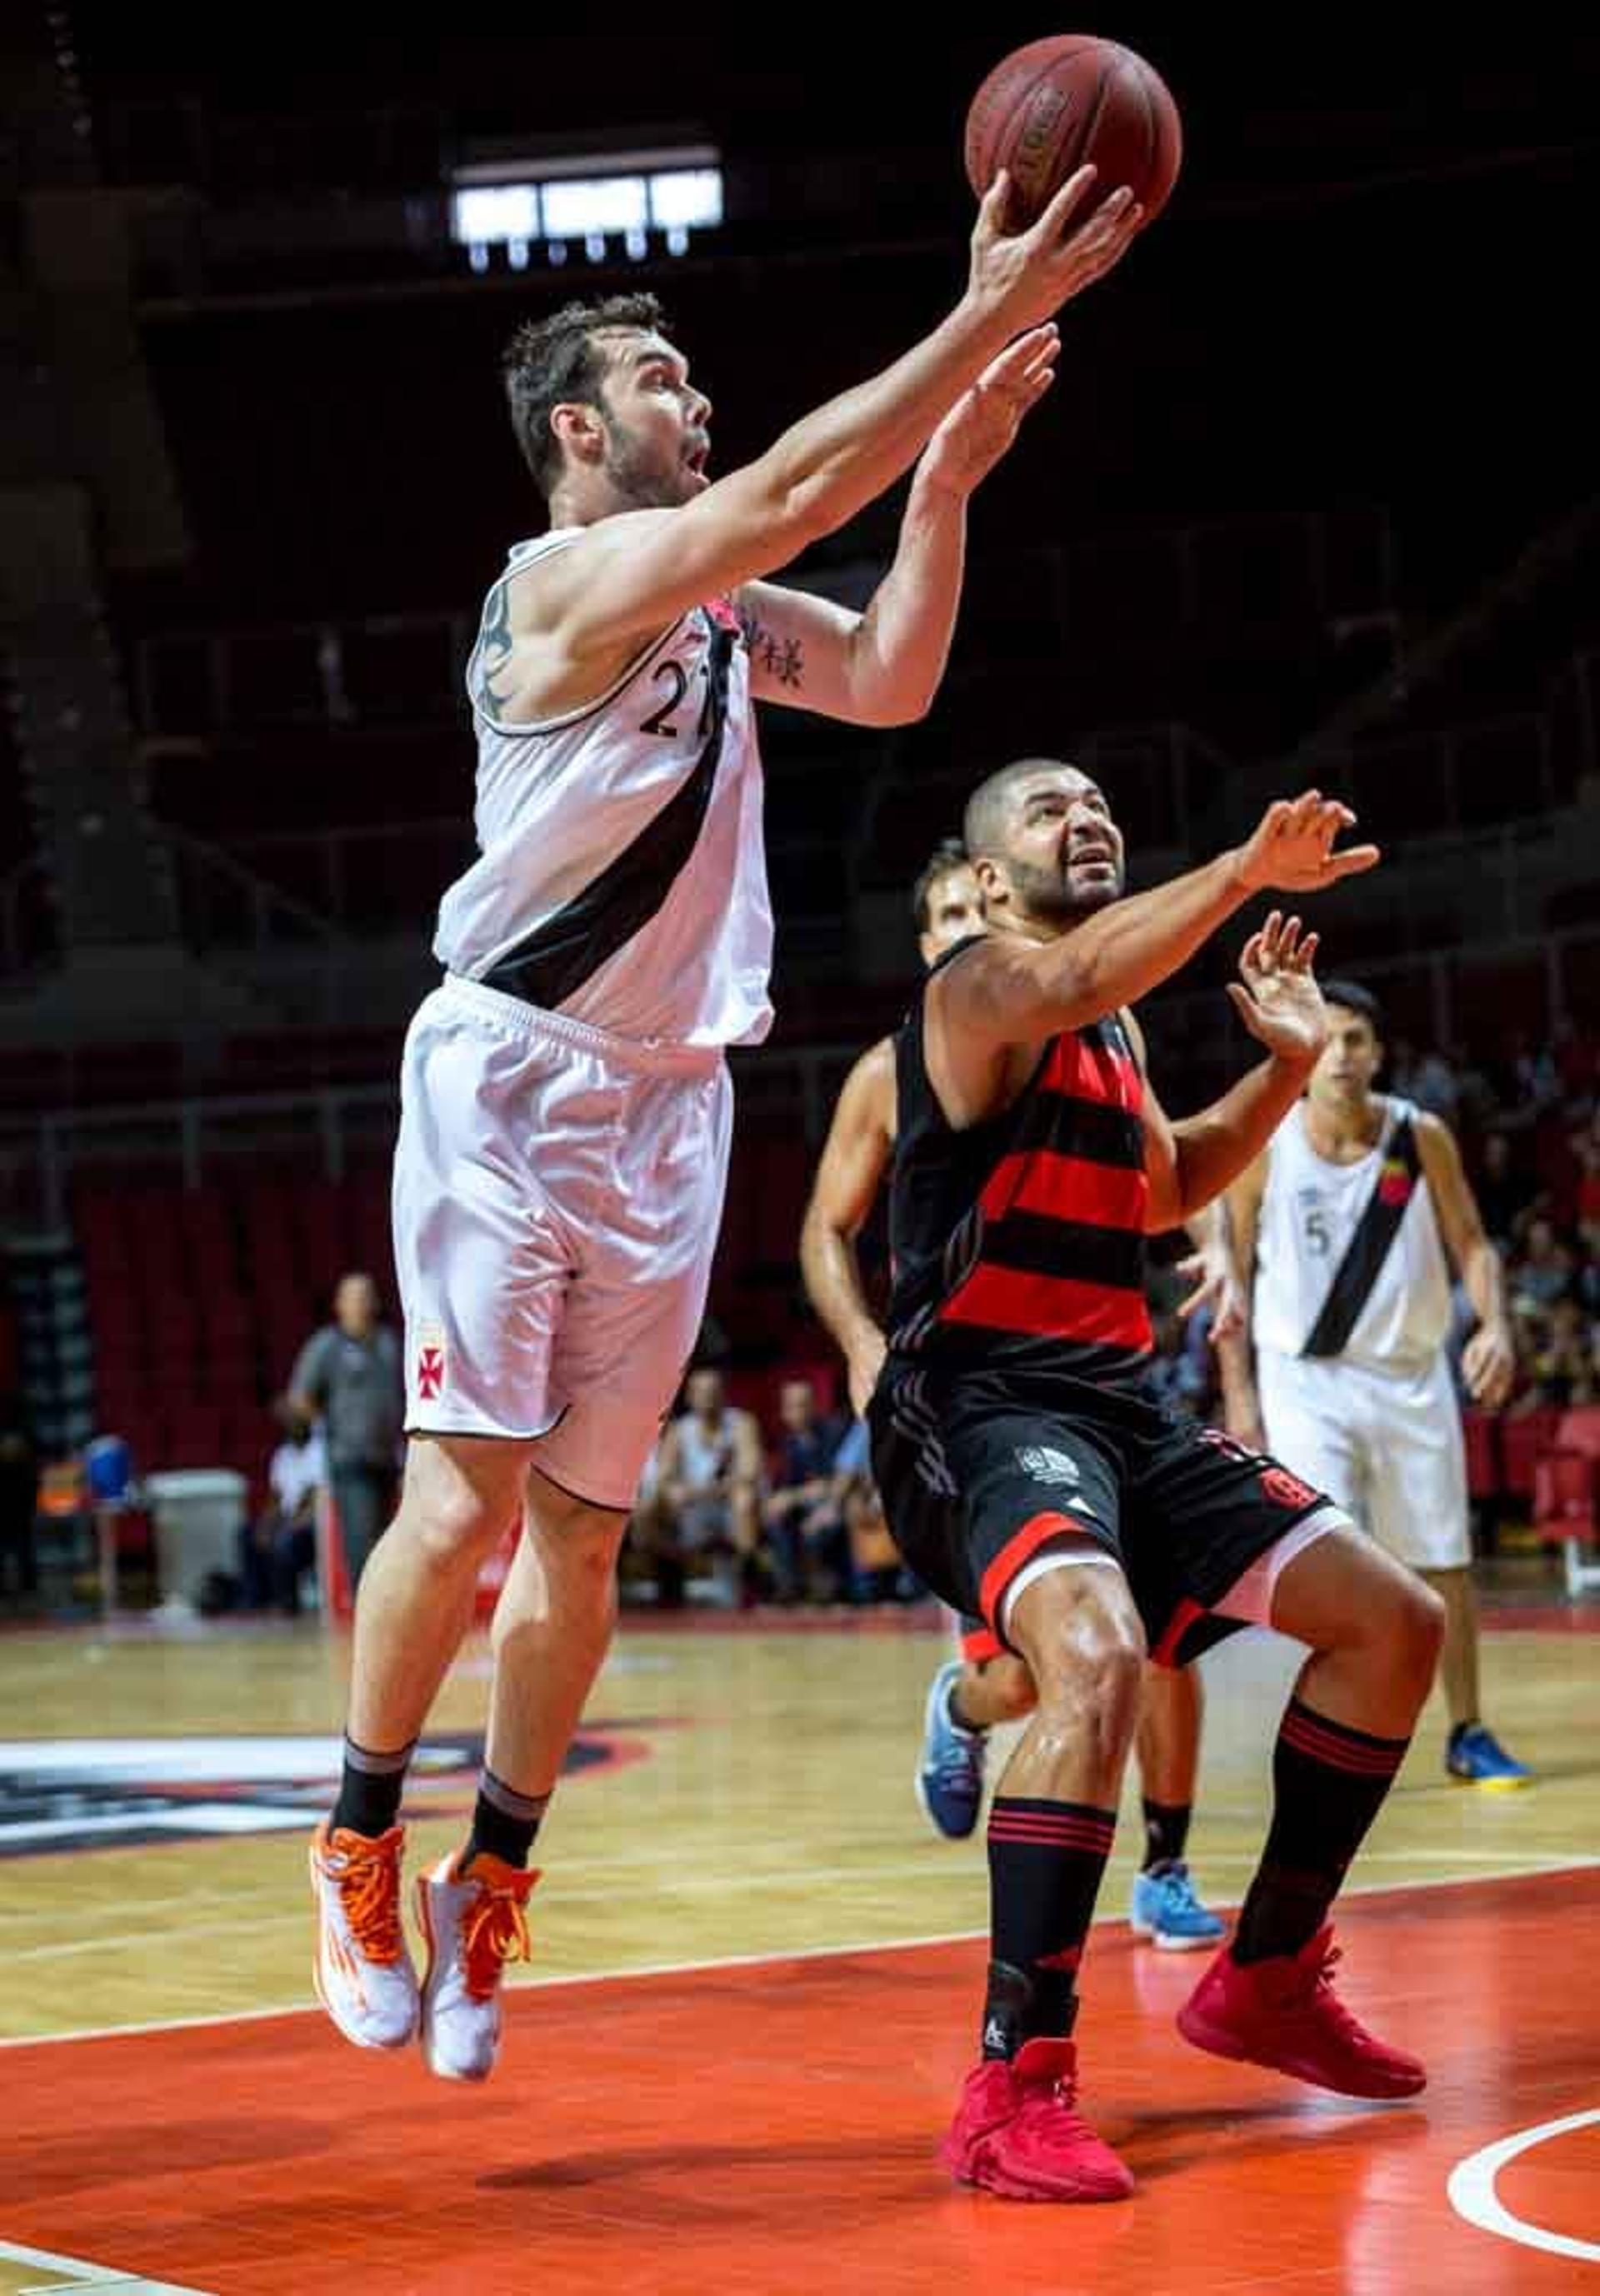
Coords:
pixel 549 362
pixel 949 854
pixel 1355 999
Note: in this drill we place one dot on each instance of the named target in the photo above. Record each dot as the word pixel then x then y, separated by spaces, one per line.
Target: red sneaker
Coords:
pixel 1284 2012
pixel 1015 2132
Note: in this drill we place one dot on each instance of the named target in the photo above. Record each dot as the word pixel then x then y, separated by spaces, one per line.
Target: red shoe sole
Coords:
pixel 988 2177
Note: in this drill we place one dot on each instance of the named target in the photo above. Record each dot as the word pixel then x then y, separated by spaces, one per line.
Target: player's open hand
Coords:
pixel 984 422
pixel 1276 995
pixel 1216 1282
pixel 1488 1366
pixel 1292 849
pixel 1025 276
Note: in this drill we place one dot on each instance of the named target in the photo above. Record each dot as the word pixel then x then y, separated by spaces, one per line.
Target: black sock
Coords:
pixel 1329 1783
pixel 1458 1731
pixel 1046 1859
pixel 370 1789
pixel 1166 1831
pixel 503 1822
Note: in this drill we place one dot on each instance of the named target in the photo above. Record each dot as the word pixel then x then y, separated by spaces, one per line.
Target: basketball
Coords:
pixel 1049 108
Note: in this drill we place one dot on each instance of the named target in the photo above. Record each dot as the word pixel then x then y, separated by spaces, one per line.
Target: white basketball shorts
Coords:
pixel 1386 1444
pixel 557 1194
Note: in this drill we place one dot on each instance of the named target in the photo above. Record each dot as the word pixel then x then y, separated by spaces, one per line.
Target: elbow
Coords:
pixel 1165 1208
pixel 896 708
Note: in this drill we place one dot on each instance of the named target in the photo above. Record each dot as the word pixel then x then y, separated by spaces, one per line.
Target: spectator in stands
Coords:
pixel 1504 1194
pixel 281 1543
pixel 805 1526
pixel 1586 1148
pixel 877 1571
pixel 1536 1082
pixel 708 1496
pixel 1433 1087
pixel 348 1378
pixel 1476 1108
pixel 1542 1273
pixel 19 1498
pixel 1562 1367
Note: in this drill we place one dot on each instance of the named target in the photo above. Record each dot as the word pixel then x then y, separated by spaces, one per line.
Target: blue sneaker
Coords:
pixel 949 1776
pixel 1166 1910
pixel 1476 1758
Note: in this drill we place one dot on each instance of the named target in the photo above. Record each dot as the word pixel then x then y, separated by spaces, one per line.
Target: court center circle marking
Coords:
pixel 1471 2190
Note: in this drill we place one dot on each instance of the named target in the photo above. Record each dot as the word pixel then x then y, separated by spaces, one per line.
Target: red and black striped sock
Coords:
pixel 1329 1783
pixel 1046 1860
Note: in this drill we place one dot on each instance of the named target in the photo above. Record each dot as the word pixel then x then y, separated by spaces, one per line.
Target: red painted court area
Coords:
pixel 771 2128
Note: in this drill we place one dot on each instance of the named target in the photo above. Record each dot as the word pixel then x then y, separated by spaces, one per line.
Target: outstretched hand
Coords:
pixel 1276 995
pixel 1291 850
pixel 984 422
pixel 1025 276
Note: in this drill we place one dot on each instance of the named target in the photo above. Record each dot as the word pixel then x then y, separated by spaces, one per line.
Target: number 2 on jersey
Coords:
pixel 658 721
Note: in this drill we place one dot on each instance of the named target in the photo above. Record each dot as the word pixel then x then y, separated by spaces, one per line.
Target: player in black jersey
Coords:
pixel 989 1683
pixel 1029 1478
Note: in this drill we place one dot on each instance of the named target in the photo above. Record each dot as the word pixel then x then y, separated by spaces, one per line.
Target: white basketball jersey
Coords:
pixel 1309 1210
pixel 621 877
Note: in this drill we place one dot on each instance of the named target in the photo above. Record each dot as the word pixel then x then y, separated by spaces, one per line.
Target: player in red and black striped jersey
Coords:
pixel 990 1684
pixel 1029 1477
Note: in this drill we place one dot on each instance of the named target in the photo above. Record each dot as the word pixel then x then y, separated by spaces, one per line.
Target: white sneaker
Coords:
pixel 362 1967
pixel 474 1928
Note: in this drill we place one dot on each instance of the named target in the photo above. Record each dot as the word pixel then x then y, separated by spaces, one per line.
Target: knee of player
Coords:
pixel 1091 1655
pixel 460 1523
pixel 1407 1624
pixel 1421 1626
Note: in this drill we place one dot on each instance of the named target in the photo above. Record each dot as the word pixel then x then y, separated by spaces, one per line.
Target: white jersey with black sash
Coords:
pixel 622 878
pixel 1349 1263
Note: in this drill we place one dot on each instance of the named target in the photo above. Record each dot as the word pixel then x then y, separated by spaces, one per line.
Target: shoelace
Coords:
pixel 1179 1889
pixel 368 1882
pixel 1317 1993
pixel 494 1931
pixel 1060 2095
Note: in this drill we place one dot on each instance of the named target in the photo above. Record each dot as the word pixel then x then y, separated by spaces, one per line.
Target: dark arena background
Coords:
pixel 1315 501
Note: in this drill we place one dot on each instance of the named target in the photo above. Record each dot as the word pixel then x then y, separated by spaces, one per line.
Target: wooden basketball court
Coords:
pixel 756 1989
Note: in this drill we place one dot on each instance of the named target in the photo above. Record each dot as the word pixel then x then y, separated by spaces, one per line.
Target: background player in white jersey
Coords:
pixel 989 1683
pixel 1342 1231
pixel 565 1104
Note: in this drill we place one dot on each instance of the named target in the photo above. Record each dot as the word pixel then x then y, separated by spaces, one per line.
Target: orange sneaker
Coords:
pixel 474 1924
pixel 362 1968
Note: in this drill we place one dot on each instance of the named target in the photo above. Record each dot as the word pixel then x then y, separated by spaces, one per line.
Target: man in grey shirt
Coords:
pixel 348 1376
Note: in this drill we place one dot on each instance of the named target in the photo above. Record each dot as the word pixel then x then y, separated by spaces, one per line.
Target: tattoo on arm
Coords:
pixel 784 659
pixel 495 647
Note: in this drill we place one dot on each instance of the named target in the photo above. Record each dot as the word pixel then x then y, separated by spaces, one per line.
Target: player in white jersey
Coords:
pixel 989 1683
pixel 565 1105
pixel 1343 1230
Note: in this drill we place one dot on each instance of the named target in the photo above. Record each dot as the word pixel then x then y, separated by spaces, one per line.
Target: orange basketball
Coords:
pixel 1047 109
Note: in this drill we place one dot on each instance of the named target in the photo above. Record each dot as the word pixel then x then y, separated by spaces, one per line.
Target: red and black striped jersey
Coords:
pixel 1021 1239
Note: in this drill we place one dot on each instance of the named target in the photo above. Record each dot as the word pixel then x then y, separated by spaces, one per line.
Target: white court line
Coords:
pixel 1473 2196
pixel 81 2274
pixel 759 1960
